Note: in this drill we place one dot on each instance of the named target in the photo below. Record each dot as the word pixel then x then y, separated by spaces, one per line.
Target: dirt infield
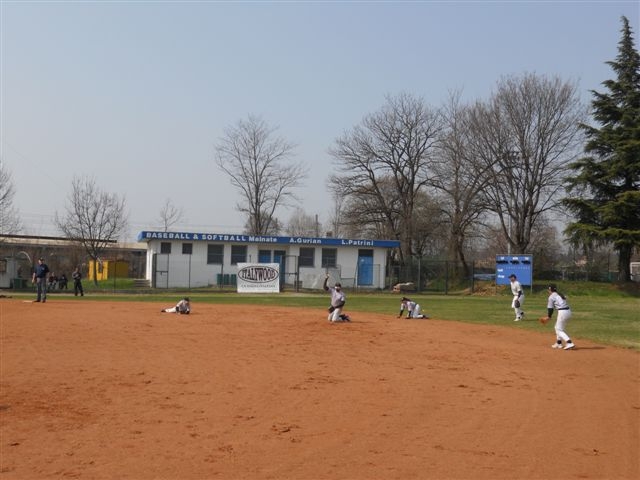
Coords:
pixel 103 390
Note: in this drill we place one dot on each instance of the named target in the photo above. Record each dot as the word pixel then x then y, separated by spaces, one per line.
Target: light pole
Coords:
pixel 510 157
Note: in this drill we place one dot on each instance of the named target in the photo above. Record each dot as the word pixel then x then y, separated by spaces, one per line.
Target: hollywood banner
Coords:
pixel 258 277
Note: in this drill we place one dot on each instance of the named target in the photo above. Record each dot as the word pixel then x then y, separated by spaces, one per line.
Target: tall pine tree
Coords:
pixel 604 187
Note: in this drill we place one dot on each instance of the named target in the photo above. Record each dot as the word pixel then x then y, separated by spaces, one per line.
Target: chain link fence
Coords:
pixel 439 276
pixel 442 276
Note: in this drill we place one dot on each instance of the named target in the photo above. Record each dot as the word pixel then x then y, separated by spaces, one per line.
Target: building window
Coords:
pixel 264 256
pixel 329 257
pixel 165 247
pixel 238 254
pixel 187 248
pixel 306 258
pixel 215 254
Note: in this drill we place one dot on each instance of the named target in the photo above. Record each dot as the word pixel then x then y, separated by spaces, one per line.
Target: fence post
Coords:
pixel 473 276
pixel 446 277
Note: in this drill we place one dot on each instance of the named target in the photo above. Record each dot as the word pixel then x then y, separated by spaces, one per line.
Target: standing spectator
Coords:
pixel 53 281
pixel 518 297
pixel 77 282
pixel 40 279
pixel 62 282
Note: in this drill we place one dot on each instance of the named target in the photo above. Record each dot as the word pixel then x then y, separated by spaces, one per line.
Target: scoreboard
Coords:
pixel 519 265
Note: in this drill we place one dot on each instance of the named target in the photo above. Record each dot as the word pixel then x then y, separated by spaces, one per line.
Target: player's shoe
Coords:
pixel 517 319
pixel 556 345
pixel 569 346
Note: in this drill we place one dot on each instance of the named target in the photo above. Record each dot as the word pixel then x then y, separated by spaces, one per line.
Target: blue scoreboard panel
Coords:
pixel 519 265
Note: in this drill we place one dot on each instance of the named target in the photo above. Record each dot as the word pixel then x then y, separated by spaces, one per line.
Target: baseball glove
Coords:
pixel 544 320
pixel 516 303
pixel 331 309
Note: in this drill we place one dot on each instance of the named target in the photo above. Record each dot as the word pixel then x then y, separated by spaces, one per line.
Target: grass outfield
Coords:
pixel 601 313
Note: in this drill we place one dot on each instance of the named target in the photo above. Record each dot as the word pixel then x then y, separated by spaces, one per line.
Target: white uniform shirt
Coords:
pixel 557 302
pixel 337 297
pixel 183 306
pixel 516 288
pixel 410 306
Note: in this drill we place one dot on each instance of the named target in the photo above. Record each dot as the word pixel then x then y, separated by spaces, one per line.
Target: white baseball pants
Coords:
pixel 561 322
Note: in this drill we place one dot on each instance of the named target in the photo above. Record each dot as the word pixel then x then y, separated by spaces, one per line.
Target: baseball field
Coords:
pixel 104 389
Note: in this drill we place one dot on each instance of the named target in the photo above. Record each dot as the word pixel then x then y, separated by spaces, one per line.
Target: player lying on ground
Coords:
pixel 183 307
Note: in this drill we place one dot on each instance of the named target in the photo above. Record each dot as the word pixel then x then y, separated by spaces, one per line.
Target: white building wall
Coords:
pixel 178 270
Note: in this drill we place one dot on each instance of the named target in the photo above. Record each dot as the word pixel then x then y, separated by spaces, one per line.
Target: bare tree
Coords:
pixel 170 215
pixel 460 179
pixel 9 218
pixel 302 224
pixel 93 218
pixel 383 164
pixel 258 164
pixel 526 133
pixel 334 224
pixel 361 216
pixel 430 226
pixel 545 246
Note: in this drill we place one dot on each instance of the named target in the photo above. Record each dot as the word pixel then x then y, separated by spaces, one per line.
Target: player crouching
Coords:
pixel 413 309
pixel 182 307
pixel 338 300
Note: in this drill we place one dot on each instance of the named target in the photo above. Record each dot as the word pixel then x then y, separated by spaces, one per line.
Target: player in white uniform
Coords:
pixel 338 300
pixel 518 297
pixel 413 309
pixel 559 302
pixel 182 307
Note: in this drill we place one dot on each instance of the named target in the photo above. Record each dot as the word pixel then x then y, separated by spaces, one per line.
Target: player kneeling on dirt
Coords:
pixel 182 307
pixel 338 300
pixel 413 309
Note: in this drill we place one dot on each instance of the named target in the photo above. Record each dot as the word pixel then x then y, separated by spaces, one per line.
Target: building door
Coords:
pixel 365 267
pixel 279 256
pixel 161 270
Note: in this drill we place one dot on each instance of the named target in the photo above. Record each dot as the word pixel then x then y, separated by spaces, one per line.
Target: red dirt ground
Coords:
pixel 99 390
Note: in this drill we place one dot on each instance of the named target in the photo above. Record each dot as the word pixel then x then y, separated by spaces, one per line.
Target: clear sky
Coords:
pixel 138 93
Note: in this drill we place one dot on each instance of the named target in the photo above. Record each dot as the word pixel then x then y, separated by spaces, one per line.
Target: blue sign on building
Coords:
pixel 242 238
pixel 519 265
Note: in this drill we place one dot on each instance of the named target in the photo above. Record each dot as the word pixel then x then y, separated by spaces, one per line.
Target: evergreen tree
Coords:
pixel 604 187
